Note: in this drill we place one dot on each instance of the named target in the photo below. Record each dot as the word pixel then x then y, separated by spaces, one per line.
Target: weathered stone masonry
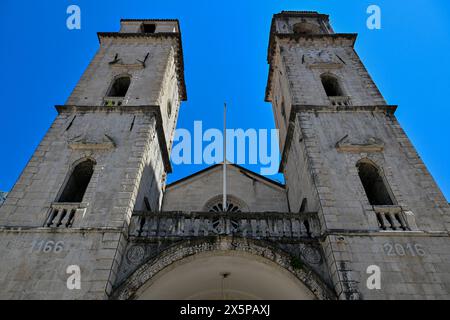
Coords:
pixel 129 142
pixel 357 193
pixel 326 138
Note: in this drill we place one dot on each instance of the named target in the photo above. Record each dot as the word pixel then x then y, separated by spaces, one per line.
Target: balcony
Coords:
pixel 340 101
pixel 62 215
pixel 391 218
pixel 247 225
pixel 113 101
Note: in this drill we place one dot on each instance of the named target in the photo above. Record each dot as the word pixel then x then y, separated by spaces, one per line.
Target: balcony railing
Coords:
pixel 391 218
pixel 62 215
pixel 250 225
pixel 340 101
pixel 113 101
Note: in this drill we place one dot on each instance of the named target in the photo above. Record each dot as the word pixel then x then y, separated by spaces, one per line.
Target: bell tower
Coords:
pixel 345 156
pixel 105 155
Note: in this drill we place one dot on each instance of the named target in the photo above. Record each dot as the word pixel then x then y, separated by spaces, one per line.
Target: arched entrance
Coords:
pixel 224 275
pixel 225 268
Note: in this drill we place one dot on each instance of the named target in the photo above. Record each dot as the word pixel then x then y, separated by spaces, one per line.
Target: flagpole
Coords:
pixel 224 203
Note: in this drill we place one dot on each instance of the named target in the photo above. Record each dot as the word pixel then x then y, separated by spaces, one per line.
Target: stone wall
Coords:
pixel 322 145
pixel 94 242
pixel 412 266
pixel 342 196
pixel 129 142
pixel 35 260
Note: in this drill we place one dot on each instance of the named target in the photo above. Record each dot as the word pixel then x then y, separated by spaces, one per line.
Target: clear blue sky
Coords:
pixel 225 46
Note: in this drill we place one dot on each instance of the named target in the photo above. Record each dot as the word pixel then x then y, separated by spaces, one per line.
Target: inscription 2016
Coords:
pixel 402 250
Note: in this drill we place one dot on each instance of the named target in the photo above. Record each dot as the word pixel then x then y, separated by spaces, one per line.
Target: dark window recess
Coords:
pixel 303 205
pixel 148 28
pixel 148 207
pixel 307 227
pixel 120 87
pixel 77 184
pixel 373 183
pixel 331 86
pixel 71 123
pixel 283 110
pixel 132 123
pixel 169 109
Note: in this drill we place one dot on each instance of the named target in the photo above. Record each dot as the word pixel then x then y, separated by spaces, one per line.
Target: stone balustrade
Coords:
pixel 340 101
pixel 62 215
pixel 113 101
pixel 391 218
pixel 250 225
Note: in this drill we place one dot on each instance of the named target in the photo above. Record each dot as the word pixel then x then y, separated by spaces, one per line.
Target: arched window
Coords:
pixel 119 87
pixel 233 205
pixel 331 86
pixel 374 185
pixel 77 184
pixel 148 27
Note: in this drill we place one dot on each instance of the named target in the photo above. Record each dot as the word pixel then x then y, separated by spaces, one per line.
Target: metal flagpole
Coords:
pixel 224 203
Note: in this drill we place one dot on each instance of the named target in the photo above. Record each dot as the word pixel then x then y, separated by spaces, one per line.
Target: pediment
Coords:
pixel 322 59
pixel 91 142
pixel 360 145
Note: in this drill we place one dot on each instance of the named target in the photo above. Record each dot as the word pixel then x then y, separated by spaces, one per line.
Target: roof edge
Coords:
pixel 146 19
pixel 276 183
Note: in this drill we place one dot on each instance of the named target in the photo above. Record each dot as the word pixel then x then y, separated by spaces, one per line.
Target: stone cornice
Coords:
pixel 103 35
pixel 310 14
pixel 234 215
pixel 68 108
pixel 30 229
pixel 161 35
pixel 147 20
pixel 389 110
pixel 156 110
pixel 378 233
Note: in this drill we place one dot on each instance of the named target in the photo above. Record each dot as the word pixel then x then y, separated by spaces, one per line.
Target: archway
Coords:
pixel 223 268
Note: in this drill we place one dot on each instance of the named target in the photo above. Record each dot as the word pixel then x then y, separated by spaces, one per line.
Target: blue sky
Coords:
pixel 225 46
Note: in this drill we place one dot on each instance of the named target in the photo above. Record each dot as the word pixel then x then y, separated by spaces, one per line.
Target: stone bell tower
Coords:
pixel 105 155
pixel 345 156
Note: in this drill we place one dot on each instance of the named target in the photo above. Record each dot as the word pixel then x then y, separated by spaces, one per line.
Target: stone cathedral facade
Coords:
pixel 92 206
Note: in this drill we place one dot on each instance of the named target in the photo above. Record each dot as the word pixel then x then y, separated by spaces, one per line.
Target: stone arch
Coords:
pixel 381 193
pixel 332 85
pixel 86 166
pixel 141 279
pixel 119 86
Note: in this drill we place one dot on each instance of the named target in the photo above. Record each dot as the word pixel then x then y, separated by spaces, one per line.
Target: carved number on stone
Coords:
pixel 47 246
pixel 402 250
